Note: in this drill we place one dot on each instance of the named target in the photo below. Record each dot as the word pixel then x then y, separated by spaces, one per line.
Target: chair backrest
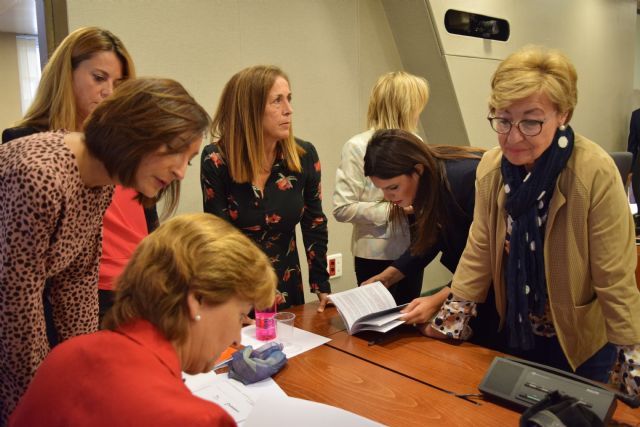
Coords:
pixel 623 160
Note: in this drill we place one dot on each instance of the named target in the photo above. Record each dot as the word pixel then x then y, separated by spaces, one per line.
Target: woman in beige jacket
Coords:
pixel 551 231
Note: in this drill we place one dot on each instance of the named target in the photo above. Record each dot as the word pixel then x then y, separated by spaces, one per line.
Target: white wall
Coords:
pixel 599 37
pixel 333 51
pixel 10 111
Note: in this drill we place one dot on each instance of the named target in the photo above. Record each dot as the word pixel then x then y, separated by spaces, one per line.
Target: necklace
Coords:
pixel 269 163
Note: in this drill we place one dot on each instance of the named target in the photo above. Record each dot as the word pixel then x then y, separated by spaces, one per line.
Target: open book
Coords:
pixel 368 308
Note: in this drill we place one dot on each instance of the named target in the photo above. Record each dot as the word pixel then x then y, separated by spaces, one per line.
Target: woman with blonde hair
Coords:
pixel 551 232
pixel 179 303
pixel 69 87
pixel 84 70
pixel 55 189
pixel 256 175
pixel 396 101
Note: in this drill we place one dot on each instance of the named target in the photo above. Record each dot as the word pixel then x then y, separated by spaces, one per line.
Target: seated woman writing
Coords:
pixel 179 303
pixel 551 230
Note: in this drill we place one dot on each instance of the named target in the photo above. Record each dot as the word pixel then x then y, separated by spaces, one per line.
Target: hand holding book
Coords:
pixel 423 309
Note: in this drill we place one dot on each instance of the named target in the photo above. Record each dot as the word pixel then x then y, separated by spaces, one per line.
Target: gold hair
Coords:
pixel 237 127
pixel 396 100
pixel 54 105
pixel 531 70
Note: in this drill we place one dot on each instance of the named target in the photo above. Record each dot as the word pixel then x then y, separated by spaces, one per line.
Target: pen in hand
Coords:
pixel 222 364
pixel 226 361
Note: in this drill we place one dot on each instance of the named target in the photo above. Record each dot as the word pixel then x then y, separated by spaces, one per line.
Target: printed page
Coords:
pixel 382 320
pixel 234 397
pixel 361 301
pixel 278 411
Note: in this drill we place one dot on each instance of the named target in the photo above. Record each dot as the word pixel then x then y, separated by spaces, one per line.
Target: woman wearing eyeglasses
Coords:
pixel 551 231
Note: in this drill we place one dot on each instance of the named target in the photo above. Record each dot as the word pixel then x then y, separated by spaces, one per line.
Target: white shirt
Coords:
pixel 358 201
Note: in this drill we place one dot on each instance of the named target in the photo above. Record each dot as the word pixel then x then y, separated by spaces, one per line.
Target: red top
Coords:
pixel 123 228
pixel 130 377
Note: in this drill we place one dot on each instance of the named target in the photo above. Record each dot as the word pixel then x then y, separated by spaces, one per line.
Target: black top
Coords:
pixel 270 217
pixel 634 134
pixel 18 132
pixel 452 237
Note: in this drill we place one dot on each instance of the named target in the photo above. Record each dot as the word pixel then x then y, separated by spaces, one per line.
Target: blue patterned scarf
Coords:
pixel 528 196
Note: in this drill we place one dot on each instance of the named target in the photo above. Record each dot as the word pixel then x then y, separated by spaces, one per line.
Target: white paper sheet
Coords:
pixel 232 396
pixel 236 398
pixel 278 411
pixel 302 340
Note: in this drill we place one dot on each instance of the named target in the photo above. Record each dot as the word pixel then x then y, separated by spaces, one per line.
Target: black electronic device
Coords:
pixel 522 383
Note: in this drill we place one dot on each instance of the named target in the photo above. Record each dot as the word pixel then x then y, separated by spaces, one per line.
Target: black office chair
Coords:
pixel 635 179
pixel 623 161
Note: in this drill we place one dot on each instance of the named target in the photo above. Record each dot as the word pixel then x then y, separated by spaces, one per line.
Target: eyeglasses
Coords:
pixel 526 127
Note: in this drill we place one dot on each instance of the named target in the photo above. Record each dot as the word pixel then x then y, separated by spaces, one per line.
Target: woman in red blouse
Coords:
pixel 170 316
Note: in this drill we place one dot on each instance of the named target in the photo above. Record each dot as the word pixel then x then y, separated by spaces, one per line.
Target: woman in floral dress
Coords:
pixel 256 175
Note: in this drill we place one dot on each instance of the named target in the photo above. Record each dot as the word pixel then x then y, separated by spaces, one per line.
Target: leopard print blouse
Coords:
pixel 50 228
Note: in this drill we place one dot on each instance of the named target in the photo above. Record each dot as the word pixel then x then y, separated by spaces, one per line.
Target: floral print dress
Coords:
pixel 270 217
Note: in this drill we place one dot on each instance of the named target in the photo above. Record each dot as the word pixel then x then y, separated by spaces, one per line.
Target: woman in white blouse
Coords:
pixel 397 99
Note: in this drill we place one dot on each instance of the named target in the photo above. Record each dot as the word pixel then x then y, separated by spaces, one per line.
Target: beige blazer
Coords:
pixel 589 252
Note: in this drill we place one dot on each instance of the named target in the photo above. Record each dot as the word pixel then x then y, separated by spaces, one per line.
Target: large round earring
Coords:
pixel 563 141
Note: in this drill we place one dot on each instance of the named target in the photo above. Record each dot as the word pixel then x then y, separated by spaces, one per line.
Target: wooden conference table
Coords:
pixel 405 380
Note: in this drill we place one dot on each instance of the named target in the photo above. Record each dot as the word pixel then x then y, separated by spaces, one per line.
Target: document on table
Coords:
pixel 276 411
pixel 262 404
pixel 302 340
pixel 231 395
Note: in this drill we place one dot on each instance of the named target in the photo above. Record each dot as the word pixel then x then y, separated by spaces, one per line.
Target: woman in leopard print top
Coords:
pixel 55 188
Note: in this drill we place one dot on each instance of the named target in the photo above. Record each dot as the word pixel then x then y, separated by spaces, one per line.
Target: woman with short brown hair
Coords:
pixel 55 189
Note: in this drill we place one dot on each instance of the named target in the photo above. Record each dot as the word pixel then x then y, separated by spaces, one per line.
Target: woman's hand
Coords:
pixel 429 331
pixel 324 301
pixel 422 310
pixel 280 298
pixel 389 276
